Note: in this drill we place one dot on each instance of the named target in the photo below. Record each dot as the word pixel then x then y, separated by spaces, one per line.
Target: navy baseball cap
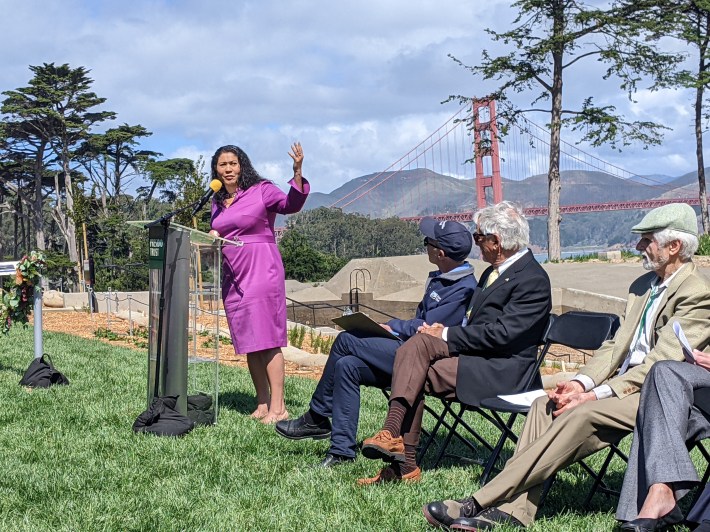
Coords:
pixel 451 237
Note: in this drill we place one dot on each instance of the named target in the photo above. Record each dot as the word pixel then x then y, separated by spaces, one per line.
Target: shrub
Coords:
pixel 704 247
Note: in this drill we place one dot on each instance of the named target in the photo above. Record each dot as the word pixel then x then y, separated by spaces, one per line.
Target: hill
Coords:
pixel 424 192
pixel 421 191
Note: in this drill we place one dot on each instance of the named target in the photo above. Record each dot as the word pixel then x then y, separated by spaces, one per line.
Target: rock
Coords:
pixel 53 299
pixel 610 255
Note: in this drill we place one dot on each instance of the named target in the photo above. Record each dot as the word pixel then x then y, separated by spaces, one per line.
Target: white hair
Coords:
pixel 505 219
pixel 688 243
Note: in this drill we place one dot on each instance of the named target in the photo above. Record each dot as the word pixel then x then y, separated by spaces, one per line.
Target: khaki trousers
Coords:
pixel 548 445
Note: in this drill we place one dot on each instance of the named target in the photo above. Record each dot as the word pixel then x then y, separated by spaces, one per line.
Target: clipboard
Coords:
pixel 362 323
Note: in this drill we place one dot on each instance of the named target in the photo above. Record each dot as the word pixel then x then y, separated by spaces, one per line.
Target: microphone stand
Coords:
pixel 165 222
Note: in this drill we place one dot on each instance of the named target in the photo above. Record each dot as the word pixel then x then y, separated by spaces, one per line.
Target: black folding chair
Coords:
pixel 576 330
pixel 429 435
pixel 460 423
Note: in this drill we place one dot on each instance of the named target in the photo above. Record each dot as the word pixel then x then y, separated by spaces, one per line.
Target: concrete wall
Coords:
pixel 566 299
pixel 321 312
pixel 114 301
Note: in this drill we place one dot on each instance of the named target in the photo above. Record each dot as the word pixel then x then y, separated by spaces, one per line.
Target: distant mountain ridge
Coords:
pixel 423 192
pixel 426 192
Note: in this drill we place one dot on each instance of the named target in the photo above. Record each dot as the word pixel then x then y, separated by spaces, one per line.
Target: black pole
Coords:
pixel 161 309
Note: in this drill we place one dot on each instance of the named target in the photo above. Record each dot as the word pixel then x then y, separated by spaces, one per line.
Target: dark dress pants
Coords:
pixel 354 360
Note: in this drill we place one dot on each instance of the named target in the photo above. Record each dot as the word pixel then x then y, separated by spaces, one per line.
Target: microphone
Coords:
pixel 215 186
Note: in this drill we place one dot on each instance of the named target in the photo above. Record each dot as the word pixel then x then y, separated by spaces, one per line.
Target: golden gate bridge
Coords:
pixel 468 147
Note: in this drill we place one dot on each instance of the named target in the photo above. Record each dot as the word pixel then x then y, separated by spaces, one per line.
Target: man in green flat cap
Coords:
pixel 598 406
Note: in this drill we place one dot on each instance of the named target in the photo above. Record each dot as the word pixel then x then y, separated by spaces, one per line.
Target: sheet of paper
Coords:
pixel 523 399
pixel 687 350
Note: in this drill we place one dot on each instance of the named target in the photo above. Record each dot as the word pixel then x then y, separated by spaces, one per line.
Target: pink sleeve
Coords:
pixel 276 200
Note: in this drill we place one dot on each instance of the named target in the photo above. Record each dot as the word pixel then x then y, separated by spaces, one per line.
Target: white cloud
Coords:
pixel 358 83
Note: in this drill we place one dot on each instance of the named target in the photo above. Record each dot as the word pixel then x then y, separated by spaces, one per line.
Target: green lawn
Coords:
pixel 69 460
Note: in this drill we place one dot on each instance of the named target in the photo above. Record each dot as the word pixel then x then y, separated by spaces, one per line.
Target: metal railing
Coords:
pixel 316 317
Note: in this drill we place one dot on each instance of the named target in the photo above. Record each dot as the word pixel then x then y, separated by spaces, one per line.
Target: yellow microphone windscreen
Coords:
pixel 216 185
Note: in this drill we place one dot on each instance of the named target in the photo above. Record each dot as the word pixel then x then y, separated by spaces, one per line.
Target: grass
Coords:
pixel 70 461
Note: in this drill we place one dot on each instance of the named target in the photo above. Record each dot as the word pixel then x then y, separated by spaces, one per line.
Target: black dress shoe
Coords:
pixel 442 513
pixel 299 429
pixel 646 524
pixel 486 520
pixel 332 460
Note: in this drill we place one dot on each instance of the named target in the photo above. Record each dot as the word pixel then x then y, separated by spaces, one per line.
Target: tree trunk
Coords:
pixel 15 225
pixel 37 214
pixel 553 176
pixel 70 226
pixel 702 194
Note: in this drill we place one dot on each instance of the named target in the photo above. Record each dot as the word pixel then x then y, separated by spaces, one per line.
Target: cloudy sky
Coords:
pixel 359 83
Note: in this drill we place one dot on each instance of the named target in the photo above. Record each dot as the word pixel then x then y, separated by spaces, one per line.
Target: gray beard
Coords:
pixel 653 266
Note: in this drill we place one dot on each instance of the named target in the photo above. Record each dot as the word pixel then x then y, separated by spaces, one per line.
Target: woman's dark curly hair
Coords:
pixel 247 175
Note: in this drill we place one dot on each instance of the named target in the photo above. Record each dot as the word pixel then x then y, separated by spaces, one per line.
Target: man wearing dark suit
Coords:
pixel 361 359
pixel 674 409
pixel 598 406
pixel 493 352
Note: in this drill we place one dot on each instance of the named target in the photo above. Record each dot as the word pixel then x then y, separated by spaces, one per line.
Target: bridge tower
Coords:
pixel 485 151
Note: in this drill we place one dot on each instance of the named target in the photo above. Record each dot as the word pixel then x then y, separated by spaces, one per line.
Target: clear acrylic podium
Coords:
pixel 189 357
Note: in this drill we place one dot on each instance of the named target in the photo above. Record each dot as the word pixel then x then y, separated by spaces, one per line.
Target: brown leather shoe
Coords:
pixel 382 446
pixel 388 474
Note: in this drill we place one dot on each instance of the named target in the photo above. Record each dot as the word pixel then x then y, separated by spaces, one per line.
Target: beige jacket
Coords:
pixel 686 300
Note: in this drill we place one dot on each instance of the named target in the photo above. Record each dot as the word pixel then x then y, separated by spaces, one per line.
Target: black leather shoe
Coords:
pixel 486 520
pixel 442 513
pixel 298 429
pixel 332 460
pixel 645 524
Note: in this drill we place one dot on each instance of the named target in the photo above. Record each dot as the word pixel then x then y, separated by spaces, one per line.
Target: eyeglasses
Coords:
pixel 431 243
pixel 480 237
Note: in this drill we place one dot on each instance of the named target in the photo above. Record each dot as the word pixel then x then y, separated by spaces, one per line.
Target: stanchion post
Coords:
pixel 39 348
pixel 108 309
pixel 130 317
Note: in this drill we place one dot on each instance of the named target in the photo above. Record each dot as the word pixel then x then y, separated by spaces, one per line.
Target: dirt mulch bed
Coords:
pixel 86 325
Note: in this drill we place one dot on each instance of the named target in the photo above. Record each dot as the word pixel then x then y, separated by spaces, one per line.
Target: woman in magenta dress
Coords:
pixel 253 280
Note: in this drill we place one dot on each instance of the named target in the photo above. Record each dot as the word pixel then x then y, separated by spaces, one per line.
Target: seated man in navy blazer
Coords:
pixel 494 352
pixel 356 359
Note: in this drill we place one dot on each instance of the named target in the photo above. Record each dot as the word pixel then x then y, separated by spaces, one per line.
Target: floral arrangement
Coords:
pixel 17 302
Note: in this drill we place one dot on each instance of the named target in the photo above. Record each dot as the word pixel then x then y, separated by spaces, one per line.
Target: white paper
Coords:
pixel 523 399
pixel 687 350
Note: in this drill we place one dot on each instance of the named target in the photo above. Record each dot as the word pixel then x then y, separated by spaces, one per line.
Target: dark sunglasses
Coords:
pixel 480 237
pixel 431 243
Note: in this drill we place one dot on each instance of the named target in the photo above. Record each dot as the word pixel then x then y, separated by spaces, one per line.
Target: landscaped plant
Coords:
pixel 704 247
pixel 18 297
pixel 104 332
pixel 321 343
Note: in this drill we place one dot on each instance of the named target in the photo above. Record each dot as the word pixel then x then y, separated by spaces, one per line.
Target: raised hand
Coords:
pixel 296 154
